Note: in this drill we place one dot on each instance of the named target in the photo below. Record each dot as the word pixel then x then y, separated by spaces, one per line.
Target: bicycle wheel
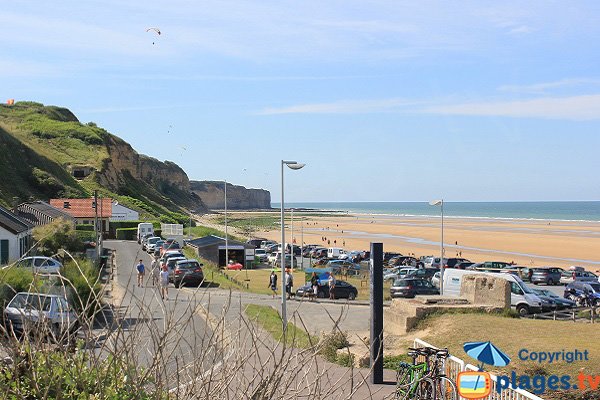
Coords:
pixel 404 378
pixel 445 389
pixel 425 390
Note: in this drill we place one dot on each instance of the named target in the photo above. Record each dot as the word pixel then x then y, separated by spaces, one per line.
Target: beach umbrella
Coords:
pixel 486 353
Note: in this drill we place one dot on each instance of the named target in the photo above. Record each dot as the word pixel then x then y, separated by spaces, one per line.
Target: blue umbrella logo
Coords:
pixel 486 353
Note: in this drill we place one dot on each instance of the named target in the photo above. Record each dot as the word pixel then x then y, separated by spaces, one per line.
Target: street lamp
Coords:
pixel 226 236
pixel 295 166
pixel 441 204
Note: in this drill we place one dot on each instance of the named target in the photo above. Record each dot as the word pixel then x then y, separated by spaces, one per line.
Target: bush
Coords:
pixel 331 343
pixel 84 227
pixel 126 233
pixel 59 234
pixel 86 236
pixel 84 277
pixel 12 281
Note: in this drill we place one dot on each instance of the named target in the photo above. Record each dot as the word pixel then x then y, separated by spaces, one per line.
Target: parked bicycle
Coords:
pixel 425 380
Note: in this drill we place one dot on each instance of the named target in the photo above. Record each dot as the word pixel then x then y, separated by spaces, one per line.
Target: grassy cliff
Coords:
pixel 39 145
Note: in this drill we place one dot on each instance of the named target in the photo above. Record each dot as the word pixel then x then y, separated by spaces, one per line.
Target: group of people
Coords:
pixel 160 276
pixel 314 281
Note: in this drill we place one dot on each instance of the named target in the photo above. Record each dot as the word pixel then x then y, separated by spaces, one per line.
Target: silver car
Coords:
pixel 31 313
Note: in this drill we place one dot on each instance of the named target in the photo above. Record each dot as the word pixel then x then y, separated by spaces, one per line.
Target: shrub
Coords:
pixel 84 277
pixel 84 227
pixel 331 343
pixel 12 281
pixel 59 234
pixel 126 233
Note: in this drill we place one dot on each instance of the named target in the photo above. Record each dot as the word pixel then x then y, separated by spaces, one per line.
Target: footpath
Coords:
pixel 317 318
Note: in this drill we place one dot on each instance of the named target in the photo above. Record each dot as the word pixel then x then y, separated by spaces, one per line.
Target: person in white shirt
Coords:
pixel 289 283
pixel 164 283
pixel 331 281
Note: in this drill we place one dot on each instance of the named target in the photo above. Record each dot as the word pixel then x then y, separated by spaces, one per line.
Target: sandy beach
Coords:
pixel 526 242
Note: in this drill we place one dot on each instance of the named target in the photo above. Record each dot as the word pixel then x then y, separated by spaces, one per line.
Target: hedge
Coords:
pixel 84 227
pixel 126 233
pixel 85 236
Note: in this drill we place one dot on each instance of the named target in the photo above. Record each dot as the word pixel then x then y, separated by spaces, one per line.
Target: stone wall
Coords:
pixel 488 290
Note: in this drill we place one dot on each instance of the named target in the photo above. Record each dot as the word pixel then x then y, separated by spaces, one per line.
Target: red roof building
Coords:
pixel 84 211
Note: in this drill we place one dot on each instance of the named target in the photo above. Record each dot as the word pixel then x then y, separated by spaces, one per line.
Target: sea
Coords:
pixel 518 210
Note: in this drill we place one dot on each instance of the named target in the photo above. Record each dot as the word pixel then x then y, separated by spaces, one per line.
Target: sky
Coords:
pixel 383 100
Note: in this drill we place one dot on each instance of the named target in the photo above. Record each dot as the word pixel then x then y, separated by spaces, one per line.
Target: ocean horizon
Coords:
pixel 528 210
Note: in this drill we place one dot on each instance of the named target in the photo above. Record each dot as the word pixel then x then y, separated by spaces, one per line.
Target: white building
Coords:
pixel 122 213
pixel 15 236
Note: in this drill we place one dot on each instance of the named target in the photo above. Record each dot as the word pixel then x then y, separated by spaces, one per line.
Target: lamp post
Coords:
pixel 441 204
pixel 295 166
pixel 292 238
pixel 226 235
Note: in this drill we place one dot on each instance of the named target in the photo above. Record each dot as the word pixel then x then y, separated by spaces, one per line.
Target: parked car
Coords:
pixel 410 287
pixel 151 243
pixel 403 260
pixel 435 279
pixel 433 262
pixel 272 248
pixel 288 261
pixel 307 249
pixel 256 242
pixel 39 313
pixel 463 265
pixel 561 303
pixel 399 274
pixel 188 272
pixel 548 276
pixel 578 288
pixel 453 262
pixel 273 256
pixel 39 264
pixel 343 267
pixel 323 261
pixel 388 255
pixel 265 244
pixel 343 290
pixel 576 276
pixel 548 303
pixel 422 273
pixel 170 259
pixel 320 253
pixel 261 255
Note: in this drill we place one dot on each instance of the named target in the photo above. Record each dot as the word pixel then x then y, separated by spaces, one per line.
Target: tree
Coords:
pixel 59 234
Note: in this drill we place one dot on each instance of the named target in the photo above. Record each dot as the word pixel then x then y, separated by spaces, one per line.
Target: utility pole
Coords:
pixel 96 223
pixel 226 235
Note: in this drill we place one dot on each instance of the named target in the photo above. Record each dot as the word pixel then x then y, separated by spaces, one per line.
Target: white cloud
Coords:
pixel 584 107
pixel 545 86
pixel 344 107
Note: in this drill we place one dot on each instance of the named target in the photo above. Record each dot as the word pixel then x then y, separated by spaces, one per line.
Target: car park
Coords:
pixel 342 290
pixel 454 262
pixel 548 276
pixel 463 265
pixel 320 252
pixel 188 272
pixel 388 255
pixel 548 303
pixel 265 244
pixel 576 276
pixel 288 261
pixel 410 287
pixel 435 279
pixel 39 265
pixel 40 313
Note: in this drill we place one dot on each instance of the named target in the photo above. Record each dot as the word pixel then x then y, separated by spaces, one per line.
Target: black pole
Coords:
pixel 376 266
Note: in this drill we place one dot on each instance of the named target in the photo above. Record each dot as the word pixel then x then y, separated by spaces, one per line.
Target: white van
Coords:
pixel 144 229
pixel 522 298
pixel 335 252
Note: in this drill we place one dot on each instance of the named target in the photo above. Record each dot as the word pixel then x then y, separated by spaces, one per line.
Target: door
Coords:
pixel 3 251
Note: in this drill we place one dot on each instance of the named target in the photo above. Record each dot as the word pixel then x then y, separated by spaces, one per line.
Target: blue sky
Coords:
pixel 384 100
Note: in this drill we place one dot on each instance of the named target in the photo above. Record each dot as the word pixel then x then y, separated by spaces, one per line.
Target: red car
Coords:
pixel 235 266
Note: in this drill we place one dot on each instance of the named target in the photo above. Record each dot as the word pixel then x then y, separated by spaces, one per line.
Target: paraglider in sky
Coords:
pixel 155 30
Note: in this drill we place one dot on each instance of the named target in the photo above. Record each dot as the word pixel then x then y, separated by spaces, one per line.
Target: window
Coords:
pixel 515 289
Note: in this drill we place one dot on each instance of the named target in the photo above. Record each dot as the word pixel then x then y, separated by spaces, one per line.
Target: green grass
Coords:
pixel 270 320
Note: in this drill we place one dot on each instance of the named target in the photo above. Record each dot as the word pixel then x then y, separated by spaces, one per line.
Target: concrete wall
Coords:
pixel 487 290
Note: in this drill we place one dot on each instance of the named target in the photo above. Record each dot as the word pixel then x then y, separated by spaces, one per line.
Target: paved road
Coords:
pixel 145 317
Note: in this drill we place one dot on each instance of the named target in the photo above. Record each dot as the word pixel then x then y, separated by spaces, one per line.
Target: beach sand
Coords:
pixel 525 242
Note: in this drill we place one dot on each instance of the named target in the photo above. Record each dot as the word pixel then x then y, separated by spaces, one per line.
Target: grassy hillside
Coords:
pixel 39 143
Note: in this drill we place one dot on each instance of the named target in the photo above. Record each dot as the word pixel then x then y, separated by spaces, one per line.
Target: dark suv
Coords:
pixel 423 273
pixel 410 287
pixel 453 262
pixel 548 276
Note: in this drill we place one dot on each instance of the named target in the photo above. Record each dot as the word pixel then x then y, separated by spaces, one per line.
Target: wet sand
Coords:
pixel 525 242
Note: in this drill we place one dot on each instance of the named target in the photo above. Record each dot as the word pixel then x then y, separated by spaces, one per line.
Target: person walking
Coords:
pixel 273 282
pixel 314 281
pixel 155 271
pixel 141 270
pixel 164 283
pixel 289 283
pixel 331 282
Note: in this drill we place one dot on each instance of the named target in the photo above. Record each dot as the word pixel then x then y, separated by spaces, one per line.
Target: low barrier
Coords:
pixel 455 365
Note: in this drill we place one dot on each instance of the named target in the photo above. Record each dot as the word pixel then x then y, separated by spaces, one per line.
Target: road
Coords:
pixel 167 335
